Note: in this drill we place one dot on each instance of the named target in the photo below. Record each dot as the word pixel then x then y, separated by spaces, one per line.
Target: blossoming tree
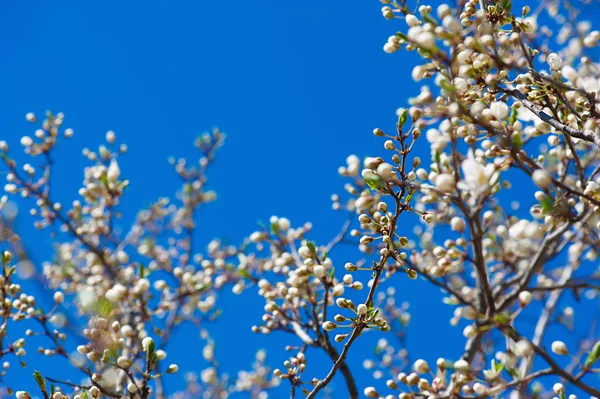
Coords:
pixel 510 112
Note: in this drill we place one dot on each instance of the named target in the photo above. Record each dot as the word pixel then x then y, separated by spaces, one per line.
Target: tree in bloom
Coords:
pixel 502 217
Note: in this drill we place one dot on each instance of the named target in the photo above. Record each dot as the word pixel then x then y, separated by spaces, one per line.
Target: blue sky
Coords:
pixel 297 88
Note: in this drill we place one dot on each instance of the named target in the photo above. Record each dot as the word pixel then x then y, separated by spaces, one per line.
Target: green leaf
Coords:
pixel 401 36
pixel 104 180
pixel 429 19
pixel 506 5
pixel 447 86
pixel 593 355
pixel 517 141
pixel 311 246
pixel 497 366
pixel 513 372
pixel 402 118
pixel 141 270
pixel 373 180
pixel 244 273
pixel 84 394
pixel 40 380
pixel 546 205
pixel 514 114
pixel 104 307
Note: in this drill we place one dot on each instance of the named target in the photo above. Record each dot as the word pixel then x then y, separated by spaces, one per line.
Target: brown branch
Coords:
pixel 583 134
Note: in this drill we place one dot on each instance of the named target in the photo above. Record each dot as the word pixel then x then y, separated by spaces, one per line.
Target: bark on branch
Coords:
pixel 582 134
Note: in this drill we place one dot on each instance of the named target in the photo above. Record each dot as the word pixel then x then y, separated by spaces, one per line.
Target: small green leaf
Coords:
pixel 402 118
pixel 497 366
pixel 546 205
pixel 513 372
pixel 513 115
pixel 593 355
pixel 429 19
pixel 447 86
pixel 141 270
pixel 104 307
pixel 311 246
pixel 401 36
pixel 40 380
pixel 84 395
pixel 244 273
pixel 373 180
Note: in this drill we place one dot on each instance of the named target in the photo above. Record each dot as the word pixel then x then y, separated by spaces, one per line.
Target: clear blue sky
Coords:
pixel 297 87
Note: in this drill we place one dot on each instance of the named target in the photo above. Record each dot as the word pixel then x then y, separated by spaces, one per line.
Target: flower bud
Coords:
pixel 559 348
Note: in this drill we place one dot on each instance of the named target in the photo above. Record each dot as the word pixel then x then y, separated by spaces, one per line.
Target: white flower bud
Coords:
pixel 26 141
pixel 460 85
pixel 559 348
pixel 59 297
pixel 146 342
pixel 7 255
pixel 386 171
pixel 411 20
pixel 524 298
pixel 371 392
pixel 462 366
pixel 11 188
pixel 523 348
pixel 479 388
pixel 499 110
pixel 111 137
pixel 554 62
pixel 421 366
pixel 319 271
pixel 123 361
pixel 131 387
pixel 173 368
pixel 445 183
pixel 283 224
pixel 362 309
pixel 470 331
pixel 541 178
pixel 457 224
pixel 113 172
pixel 558 388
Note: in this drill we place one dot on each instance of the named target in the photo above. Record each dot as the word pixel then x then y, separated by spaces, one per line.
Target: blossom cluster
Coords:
pixel 487 188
